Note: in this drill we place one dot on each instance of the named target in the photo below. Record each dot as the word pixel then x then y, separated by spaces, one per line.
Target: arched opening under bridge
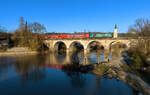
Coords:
pixel 95 46
pixel 60 47
pixel 117 48
pixel 76 47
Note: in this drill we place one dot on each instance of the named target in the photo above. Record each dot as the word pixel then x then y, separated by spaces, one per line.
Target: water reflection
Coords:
pixel 59 56
pixel 29 68
pixel 52 74
pixel 79 57
pixel 77 79
pixel 5 66
pixel 33 68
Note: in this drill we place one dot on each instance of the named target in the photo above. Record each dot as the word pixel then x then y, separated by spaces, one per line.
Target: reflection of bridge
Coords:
pixel 53 59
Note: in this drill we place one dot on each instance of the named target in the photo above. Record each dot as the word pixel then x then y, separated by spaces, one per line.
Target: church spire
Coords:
pixel 115 32
pixel 115 26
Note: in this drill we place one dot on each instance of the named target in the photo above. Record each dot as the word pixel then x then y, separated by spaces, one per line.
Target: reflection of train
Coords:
pixel 77 35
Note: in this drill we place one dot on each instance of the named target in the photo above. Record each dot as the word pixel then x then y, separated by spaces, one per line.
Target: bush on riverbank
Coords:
pixel 138 60
pixel 100 69
pixel 3 49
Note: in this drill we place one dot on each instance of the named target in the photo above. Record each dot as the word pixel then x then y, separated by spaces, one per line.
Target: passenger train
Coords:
pixel 77 35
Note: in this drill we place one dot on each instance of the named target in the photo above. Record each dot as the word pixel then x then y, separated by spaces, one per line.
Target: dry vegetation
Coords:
pixel 140 52
pixel 27 35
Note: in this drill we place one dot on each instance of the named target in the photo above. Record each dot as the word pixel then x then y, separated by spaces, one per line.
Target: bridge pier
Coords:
pixel 85 52
pixel 51 47
pixel 67 51
pixel 51 50
pixel 67 55
pixel 85 60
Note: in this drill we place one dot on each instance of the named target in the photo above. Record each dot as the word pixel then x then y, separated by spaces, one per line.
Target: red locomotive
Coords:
pixel 67 36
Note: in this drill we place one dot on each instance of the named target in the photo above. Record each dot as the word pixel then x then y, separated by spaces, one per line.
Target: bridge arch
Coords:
pixel 57 44
pixel 77 43
pixel 122 44
pixel 95 45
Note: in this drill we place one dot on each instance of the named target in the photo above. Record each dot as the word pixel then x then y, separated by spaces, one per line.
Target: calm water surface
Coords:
pixel 45 75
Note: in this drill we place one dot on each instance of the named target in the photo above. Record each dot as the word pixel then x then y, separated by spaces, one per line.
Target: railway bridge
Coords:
pixel 105 43
pixel 88 42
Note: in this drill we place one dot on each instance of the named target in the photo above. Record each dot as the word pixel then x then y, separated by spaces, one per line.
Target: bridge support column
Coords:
pixel 85 52
pixel 85 60
pixel 67 56
pixel 51 47
pixel 67 51
pixel 51 50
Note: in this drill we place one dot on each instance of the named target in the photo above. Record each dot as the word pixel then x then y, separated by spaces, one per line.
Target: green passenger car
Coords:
pixel 100 35
pixel 110 35
pixel 91 35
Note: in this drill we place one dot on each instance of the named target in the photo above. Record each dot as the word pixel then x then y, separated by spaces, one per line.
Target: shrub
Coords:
pixel 2 49
pixel 101 69
pixel 138 60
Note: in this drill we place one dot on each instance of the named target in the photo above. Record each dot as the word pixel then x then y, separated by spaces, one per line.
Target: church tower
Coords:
pixel 115 32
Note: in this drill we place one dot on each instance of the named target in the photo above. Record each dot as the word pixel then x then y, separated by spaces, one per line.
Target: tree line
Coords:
pixel 29 35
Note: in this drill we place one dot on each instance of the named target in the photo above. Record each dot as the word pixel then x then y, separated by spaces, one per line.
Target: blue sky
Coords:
pixel 74 15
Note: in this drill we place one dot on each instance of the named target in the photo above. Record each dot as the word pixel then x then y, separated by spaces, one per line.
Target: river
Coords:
pixel 45 75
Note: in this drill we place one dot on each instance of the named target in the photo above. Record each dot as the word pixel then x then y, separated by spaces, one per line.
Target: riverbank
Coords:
pixel 114 69
pixel 118 69
pixel 17 51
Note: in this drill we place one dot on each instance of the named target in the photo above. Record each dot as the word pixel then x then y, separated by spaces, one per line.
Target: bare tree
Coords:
pixel 141 29
pixel 38 28
pixel 38 36
pixel 21 23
